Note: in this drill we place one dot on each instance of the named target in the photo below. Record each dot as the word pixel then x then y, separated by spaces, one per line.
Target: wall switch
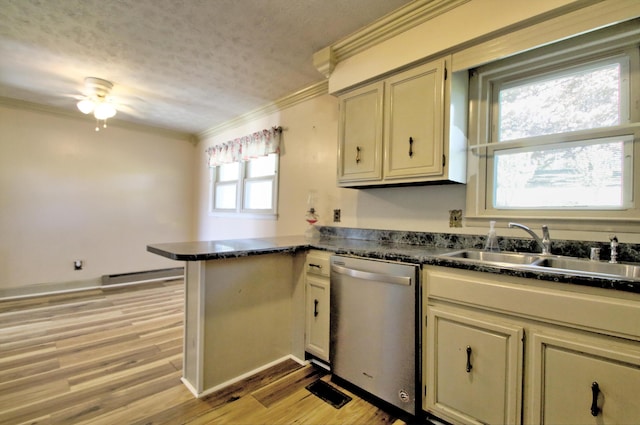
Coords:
pixel 77 265
pixel 336 216
pixel 455 218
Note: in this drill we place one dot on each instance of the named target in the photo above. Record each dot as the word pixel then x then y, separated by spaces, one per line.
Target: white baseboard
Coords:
pixel 66 287
pixel 243 376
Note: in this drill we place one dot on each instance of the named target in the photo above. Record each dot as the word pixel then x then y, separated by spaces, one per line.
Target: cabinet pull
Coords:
pixel 595 390
pixel 317 266
pixel 357 154
pixel 315 308
pixel 469 366
pixel 410 147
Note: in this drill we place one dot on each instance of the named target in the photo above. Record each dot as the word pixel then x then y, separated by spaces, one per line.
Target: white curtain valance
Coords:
pixel 260 143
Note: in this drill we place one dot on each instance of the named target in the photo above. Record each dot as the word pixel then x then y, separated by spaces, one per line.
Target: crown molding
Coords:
pixel 315 90
pixel 403 19
pixel 31 106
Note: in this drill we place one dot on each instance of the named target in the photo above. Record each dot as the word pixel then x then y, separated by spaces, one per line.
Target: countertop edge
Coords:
pixel 414 254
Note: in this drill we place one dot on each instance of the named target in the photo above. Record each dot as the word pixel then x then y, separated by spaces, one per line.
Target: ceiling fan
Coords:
pixel 96 98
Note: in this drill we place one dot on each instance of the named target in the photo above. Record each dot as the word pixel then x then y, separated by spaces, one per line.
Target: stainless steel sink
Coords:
pixel 548 264
pixel 477 256
pixel 596 268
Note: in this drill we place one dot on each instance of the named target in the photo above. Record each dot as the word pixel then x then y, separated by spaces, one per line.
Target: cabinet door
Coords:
pixel 473 367
pixel 414 108
pixel 317 323
pixel 360 135
pixel 583 379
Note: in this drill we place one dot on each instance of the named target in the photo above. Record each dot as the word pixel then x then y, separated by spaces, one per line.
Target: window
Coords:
pixel 552 131
pixel 248 187
pixel 244 175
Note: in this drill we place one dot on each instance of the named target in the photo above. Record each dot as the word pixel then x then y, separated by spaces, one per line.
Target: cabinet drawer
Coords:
pixel 565 369
pixel 318 263
pixel 562 304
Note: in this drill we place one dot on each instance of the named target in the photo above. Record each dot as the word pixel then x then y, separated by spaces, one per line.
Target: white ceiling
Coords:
pixel 185 65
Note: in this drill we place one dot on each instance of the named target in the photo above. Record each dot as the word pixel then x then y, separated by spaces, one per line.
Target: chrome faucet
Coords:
pixel 544 243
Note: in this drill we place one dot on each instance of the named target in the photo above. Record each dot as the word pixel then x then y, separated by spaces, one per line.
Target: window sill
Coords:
pixel 242 215
pixel 599 224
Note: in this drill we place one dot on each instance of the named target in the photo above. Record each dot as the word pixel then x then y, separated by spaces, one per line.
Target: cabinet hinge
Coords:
pixel 444 160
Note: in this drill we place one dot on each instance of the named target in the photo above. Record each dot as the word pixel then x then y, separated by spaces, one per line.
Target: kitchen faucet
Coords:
pixel 545 242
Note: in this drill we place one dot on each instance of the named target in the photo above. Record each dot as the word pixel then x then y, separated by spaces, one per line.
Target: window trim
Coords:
pixel 240 211
pixel 582 49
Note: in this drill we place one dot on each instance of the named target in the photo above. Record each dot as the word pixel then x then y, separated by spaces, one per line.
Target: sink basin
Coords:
pixel 477 256
pixel 549 264
pixel 596 268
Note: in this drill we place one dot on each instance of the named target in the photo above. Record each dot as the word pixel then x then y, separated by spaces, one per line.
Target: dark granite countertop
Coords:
pixel 375 249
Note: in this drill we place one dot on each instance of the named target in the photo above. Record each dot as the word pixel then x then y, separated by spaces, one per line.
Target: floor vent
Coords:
pixel 162 274
pixel 328 393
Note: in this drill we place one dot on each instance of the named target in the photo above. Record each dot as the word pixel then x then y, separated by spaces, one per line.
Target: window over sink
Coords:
pixel 553 131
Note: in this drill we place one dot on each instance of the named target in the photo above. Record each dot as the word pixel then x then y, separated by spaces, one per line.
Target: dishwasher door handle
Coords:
pixel 379 277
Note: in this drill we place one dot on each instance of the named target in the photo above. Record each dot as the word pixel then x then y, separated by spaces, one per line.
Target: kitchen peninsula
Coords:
pixel 244 306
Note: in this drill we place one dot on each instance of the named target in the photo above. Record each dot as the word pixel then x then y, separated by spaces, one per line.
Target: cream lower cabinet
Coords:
pixel 317 290
pixel 505 350
pixel 583 379
pixel 475 366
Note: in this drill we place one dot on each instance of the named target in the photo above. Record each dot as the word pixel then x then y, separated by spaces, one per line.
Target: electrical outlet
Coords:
pixel 336 216
pixel 455 218
pixel 77 265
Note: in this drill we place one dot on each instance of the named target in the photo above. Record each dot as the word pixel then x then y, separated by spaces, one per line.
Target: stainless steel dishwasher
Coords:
pixel 374 333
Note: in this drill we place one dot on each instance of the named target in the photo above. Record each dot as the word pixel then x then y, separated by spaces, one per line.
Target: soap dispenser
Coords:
pixel 491 244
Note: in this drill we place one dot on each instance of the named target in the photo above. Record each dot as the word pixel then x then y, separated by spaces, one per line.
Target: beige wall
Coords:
pixel 310 137
pixel 308 162
pixel 67 193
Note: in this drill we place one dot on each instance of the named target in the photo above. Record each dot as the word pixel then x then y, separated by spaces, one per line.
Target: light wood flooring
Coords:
pixel 114 356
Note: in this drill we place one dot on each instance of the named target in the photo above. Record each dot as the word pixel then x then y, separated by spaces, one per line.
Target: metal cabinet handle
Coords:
pixel 315 308
pixel 410 147
pixel 357 154
pixel 595 390
pixel 317 266
pixel 469 365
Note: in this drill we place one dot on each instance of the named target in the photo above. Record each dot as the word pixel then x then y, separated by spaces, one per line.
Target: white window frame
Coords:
pixel 240 209
pixel 608 43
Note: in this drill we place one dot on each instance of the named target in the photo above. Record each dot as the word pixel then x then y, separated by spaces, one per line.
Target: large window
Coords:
pixel 247 187
pixel 553 131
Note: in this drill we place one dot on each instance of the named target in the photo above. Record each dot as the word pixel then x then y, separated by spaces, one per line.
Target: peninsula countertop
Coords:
pixel 381 250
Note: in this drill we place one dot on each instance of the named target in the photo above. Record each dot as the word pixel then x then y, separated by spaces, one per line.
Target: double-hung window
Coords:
pixel 244 176
pixel 553 131
pixel 247 187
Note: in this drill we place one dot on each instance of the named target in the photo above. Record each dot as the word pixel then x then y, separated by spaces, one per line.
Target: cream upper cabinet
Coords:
pixel 360 148
pixel 474 367
pixel 401 130
pixel 538 352
pixel 414 115
pixel 583 379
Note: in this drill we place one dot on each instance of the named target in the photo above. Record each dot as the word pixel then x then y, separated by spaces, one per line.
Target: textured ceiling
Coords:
pixel 186 65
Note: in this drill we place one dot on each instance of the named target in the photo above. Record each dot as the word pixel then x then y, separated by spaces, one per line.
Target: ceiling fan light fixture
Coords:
pixel 85 106
pixel 96 100
pixel 104 111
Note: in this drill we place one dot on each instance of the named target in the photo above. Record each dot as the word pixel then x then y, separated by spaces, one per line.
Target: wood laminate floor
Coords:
pixel 114 356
